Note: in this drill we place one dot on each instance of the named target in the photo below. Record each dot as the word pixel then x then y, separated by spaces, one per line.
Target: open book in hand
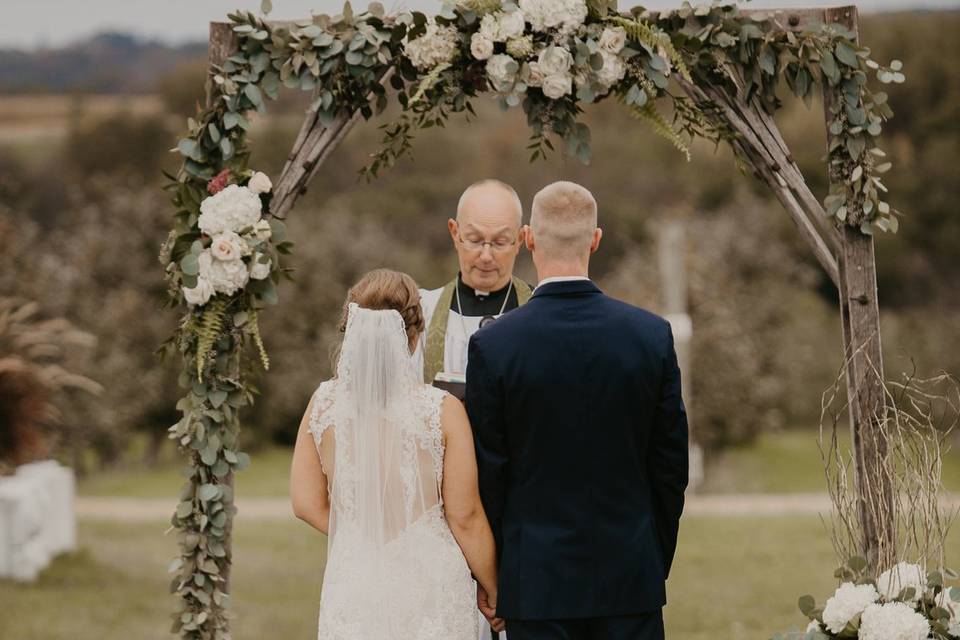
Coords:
pixel 453 383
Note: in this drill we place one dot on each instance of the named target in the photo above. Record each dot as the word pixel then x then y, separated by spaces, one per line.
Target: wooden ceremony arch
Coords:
pixel 844 252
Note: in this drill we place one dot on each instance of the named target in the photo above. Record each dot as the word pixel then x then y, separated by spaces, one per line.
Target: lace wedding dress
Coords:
pixel 394 570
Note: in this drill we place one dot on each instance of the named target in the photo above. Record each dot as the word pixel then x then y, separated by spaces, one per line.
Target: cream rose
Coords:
pixel 259 183
pixel 613 39
pixel 557 86
pixel 228 246
pixel 481 47
pixel 554 61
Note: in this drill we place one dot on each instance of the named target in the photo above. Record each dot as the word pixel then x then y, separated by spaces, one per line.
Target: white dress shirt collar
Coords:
pixel 560 279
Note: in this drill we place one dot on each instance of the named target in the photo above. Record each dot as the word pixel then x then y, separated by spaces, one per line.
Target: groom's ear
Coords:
pixel 595 244
pixel 527 235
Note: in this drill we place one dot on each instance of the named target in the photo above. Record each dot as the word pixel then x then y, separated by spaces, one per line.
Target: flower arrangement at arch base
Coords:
pixel 902 603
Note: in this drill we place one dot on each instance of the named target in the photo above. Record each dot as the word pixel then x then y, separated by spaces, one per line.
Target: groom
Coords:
pixel 581 439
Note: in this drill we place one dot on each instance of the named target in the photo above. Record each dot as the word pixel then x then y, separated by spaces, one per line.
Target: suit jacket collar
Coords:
pixel 566 288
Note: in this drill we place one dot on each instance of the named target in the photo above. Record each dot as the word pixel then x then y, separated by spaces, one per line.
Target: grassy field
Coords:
pixel 732 578
pixel 785 462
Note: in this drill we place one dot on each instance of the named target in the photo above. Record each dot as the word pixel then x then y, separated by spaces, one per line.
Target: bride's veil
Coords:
pixel 387 483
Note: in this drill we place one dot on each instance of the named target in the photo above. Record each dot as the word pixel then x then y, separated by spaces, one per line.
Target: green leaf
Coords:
pixel 190 265
pixel 208 492
pixel 807 604
pixel 217 398
pixel 266 6
pixel 847 55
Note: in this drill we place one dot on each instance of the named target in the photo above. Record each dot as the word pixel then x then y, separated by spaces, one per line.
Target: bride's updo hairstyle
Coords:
pixel 383 289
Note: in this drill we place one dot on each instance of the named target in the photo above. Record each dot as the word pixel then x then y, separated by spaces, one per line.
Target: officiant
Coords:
pixel 487 235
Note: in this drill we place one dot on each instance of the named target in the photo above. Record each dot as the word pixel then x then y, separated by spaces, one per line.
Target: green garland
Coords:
pixel 343 60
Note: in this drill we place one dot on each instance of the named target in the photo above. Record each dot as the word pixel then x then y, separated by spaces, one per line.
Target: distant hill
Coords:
pixel 105 63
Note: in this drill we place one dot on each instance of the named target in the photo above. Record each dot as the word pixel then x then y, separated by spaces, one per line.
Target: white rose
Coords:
pixel 512 24
pixel 612 71
pixel 813 626
pixel 893 621
pixel 225 276
pixel 613 39
pixel 198 294
pixel 557 86
pixel 534 74
pixel 502 70
pixel 554 60
pixel 259 183
pixel 481 47
pixel 900 576
pixel 232 209
pixel 262 230
pixel 259 270
pixel 228 246
pixel 849 600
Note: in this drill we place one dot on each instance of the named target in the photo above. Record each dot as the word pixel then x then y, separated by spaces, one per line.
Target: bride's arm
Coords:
pixel 308 483
pixel 461 497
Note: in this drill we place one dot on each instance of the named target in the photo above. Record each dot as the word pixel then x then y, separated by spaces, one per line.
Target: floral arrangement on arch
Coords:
pixel 905 602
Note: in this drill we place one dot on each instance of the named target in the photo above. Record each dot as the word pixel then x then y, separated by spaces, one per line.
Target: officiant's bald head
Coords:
pixel 487 233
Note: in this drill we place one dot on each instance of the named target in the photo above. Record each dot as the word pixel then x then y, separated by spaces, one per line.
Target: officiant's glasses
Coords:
pixel 500 245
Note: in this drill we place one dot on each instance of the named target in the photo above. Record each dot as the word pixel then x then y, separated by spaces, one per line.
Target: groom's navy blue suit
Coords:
pixel 581 438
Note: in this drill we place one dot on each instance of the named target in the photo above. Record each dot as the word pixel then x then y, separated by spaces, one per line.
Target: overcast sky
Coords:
pixel 30 24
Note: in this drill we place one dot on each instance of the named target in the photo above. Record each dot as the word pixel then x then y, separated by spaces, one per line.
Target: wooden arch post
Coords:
pixel 846 254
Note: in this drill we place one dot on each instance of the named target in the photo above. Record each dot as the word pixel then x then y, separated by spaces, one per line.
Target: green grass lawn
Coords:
pixel 786 462
pixel 733 578
pixel 783 462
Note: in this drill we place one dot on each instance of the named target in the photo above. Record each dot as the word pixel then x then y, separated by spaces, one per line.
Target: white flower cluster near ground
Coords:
pixel 894 608
pixel 232 218
pixel 848 601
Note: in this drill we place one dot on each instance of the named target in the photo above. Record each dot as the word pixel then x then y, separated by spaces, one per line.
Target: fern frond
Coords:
pixel 258 340
pixel 648 113
pixel 655 38
pixel 428 81
pixel 211 322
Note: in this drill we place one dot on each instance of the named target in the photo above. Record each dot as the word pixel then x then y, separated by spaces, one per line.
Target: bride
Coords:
pixel 384 465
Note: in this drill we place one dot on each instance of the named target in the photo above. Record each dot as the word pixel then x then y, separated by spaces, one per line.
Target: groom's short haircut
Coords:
pixel 563 218
pixel 492 182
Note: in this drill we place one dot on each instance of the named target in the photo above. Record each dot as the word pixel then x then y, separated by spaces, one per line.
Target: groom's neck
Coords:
pixel 561 270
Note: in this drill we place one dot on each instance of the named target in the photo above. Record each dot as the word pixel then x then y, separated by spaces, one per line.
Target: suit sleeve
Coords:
pixel 668 456
pixel 484 400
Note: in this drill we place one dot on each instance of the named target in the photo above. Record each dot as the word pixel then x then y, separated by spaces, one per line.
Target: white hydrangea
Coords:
pixel 613 40
pixel 481 47
pixel 520 47
pixel 893 621
pixel 543 15
pixel 502 71
pixel 229 246
pixel 232 209
pixel 225 276
pixel 900 576
pixel 849 600
pixel 512 24
pixel 612 71
pixel 259 182
pixel 198 294
pixel 436 46
pixel 557 86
